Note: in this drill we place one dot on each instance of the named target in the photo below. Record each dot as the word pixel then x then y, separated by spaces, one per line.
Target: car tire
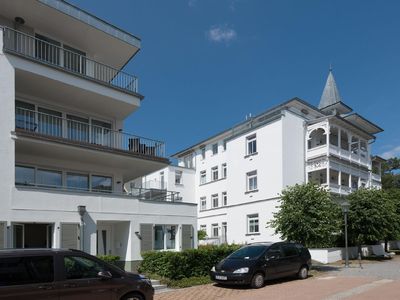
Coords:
pixel 303 272
pixel 257 281
pixel 133 296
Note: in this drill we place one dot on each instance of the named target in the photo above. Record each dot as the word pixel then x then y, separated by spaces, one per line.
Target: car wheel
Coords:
pixel 257 281
pixel 133 296
pixel 303 272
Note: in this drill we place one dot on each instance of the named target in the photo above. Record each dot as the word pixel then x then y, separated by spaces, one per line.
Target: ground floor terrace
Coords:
pixel 99 224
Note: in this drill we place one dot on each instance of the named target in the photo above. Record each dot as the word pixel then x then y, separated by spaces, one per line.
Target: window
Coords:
pixel 26 270
pixel 25 116
pixel 49 122
pixel 203 177
pixel 203 152
pixel 49 178
pixel 345 179
pixel 289 250
pixel 214 173
pixel 101 183
pixel 354 182
pixel 224 171
pixel 224 199
pixel 214 230
pixel 251 144
pixel 24 175
pixel 214 200
pixel 215 149
pixel 77 181
pixel 101 133
pixel 79 267
pixel 178 177
pixel 252 181
pixel 252 224
pixel 78 128
pixel 224 145
pixel 187 161
pixel 203 203
pixel 164 237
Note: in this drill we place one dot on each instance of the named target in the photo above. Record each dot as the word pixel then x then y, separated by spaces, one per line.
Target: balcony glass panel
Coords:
pixel 24 175
pixel 101 183
pixel 49 122
pixel 48 178
pixel 77 181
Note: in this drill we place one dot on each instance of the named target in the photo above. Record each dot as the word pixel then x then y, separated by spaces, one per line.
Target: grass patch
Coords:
pixel 181 283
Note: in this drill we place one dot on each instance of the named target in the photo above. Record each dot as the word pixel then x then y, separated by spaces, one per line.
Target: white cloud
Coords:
pixel 394 152
pixel 221 34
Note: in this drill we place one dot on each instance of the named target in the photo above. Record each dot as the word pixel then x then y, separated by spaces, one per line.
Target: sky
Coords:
pixel 206 64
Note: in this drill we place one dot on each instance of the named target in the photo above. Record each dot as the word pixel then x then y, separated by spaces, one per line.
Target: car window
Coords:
pixel 289 250
pixel 77 267
pixel 248 252
pixel 26 270
pixel 274 251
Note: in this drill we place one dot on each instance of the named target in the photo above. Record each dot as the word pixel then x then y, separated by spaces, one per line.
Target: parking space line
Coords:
pixel 358 290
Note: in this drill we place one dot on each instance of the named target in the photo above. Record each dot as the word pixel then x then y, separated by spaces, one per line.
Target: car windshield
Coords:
pixel 249 252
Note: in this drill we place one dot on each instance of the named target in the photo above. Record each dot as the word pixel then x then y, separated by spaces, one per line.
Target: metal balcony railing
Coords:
pixel 85 133
pixel 51 54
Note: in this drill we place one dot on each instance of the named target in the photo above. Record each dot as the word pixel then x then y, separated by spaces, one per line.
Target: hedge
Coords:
pixel 184 264
pixel 112 259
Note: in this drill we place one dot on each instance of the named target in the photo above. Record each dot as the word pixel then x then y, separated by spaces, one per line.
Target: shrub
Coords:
pixel 185 264
pixel 112 259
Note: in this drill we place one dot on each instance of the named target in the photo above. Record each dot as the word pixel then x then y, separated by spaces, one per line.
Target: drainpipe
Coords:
pixel 82 212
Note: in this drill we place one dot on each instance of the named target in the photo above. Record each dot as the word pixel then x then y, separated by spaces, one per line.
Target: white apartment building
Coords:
pixel 64 155
pixel 240 172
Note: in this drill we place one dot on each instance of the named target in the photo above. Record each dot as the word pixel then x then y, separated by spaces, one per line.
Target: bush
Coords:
pixel 185 264
pixel 112 259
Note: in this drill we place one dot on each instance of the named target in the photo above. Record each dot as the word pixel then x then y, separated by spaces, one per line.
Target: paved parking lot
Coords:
pixel 375 281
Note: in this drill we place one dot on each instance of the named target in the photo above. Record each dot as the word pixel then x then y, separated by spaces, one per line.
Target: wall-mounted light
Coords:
pixel 81 210
pixel 19 20
pixel 138 235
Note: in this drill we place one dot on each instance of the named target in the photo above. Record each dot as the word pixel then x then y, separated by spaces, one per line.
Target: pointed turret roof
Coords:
pixel 330 95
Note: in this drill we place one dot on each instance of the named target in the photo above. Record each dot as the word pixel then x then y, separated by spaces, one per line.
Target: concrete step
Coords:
pixel 157 285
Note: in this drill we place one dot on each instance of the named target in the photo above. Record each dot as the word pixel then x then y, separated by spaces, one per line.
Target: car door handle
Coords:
pixel 45 287
pixel 70 285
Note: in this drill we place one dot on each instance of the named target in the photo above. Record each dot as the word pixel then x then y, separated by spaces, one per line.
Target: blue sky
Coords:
pixel 205 64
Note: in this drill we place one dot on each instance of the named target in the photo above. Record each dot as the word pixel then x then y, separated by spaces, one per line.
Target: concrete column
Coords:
pixel 57 235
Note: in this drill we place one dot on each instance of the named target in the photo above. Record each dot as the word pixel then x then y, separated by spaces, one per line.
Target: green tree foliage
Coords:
pixel 390 174
pixel 307 215
pixel 201 235
pixel 372 217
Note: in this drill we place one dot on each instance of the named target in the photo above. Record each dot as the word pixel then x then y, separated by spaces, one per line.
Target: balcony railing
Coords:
pixel 39 50
pixel 139 194
pixel 85 133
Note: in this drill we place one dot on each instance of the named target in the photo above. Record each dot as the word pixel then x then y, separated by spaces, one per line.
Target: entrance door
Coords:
pixel 104 236
pixel 18 236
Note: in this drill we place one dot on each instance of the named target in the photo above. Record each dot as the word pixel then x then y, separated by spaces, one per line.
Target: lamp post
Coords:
pixel 345 208
pixel 82 212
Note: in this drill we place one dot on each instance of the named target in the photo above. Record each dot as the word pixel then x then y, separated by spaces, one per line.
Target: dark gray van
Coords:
pixel 57 274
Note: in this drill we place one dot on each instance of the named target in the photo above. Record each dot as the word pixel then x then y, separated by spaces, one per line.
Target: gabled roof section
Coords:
pixel 89 19
pixel 363 123
pixel 330 95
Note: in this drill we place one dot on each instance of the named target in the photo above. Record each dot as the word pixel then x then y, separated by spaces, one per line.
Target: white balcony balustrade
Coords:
pixel 67 59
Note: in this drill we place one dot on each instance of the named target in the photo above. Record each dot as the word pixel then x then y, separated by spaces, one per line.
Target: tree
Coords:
pixel 201 235
pixel 372 217
pixel 307 215
pixel 390 173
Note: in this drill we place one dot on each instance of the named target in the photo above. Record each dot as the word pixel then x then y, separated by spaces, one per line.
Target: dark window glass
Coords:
pixel 25 116
pixel 77 267
pixel 77 181
pixel 26 270
pixel 249 252
pixel 24 175
pixel 274 251
pixel 101 183
pixel 49 178
pixel 49 122
pixel 289 250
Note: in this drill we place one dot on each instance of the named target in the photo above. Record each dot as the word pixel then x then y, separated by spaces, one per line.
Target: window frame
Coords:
pixel 214 200
pixel 180 181
pixel 203 177
pixel 224 170
pixel 224 198
pixel 214 148
pixel 213 228
pixel 251 181
pixel 251 145
pixel 214 173
pixel 255 218
pixel 203 200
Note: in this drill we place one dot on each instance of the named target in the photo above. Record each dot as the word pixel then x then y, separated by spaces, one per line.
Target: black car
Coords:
pixel 66 274
pixel 255 263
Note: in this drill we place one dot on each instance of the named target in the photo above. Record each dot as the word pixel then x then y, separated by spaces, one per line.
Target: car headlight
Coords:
pixel 145 279
pixel 241 271
pixel 213 269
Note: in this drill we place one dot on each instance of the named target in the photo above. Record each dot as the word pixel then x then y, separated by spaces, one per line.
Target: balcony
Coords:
pixel 376 177
pixel 44 52
pixel 57 129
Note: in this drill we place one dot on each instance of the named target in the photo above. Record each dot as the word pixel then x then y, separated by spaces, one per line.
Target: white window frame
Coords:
pixel 251 228
pixel 213 228
pixel 203 177
pixel 214 200
pixel 214 173
pixel 178 175
pixel 214 149
pixel 203 203
pixel 224 198
pixel 224 170
pixel 251 179
pixel 251 144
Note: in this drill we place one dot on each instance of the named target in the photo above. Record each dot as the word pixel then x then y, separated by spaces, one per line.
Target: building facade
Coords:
pixel 64 155
pixel 240 172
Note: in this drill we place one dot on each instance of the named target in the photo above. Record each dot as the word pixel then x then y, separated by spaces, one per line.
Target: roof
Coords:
pixel 363 123
pixel 330 95
pixel 249 121
pixel 85 17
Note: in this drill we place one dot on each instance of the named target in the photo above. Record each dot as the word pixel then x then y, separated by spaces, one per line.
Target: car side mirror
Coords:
pixel 104 275
pixel 272 257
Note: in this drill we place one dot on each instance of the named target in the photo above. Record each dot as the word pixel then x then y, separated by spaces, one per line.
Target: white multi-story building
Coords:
pixel 64 155
pixel 240 172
